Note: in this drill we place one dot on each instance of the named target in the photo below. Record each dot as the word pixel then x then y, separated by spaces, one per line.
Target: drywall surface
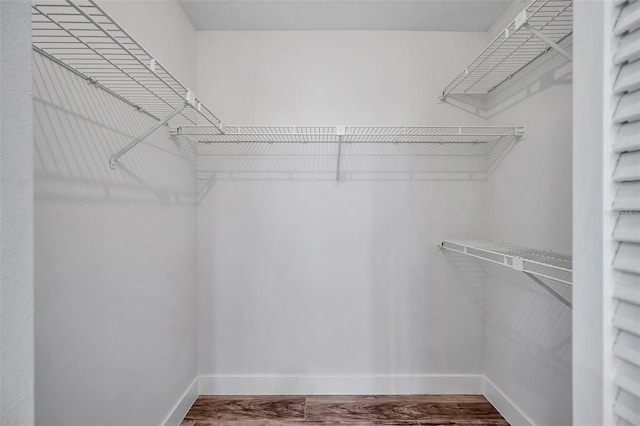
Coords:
pixel 301 279
pixel 115 259
pixel 16 216
pixel 527 339
pixel 332 77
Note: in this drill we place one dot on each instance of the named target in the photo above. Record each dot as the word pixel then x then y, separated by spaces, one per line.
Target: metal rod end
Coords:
pixel 113 163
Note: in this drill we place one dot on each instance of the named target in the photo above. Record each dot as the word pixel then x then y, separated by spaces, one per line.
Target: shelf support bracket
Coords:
pixel 548 289
pixel 113 161
pixel 339 155
pixel 547 40
pixel 340 131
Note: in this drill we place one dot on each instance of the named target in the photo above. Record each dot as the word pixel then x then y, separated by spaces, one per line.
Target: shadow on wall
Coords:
pixel 548 70
pixel 77 128
pixel 358 161
pixel 518 309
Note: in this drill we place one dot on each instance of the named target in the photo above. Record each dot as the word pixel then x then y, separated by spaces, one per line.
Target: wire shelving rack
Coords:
pixel 539 28
pixel 351 134
pixel 84 39
pixel 81 37
pixel 473 149
pixel 534 263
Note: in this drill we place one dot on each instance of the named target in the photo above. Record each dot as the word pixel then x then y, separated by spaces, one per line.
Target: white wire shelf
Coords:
pixel 84 39
pixel 351 134
pixel 430 151
pixel 540 263
pixel 537 29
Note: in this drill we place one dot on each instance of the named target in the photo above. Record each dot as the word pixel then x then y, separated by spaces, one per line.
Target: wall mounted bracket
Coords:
pixel 341 131
pixel 547 40
pixel 113 161
pixel 548 289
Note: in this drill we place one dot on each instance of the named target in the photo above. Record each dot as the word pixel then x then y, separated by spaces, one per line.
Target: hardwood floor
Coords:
pixel 462 410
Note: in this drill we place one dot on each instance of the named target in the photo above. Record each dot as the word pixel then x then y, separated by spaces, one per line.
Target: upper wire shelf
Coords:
pixel 351 134
pixel 537 29
pixel 84 39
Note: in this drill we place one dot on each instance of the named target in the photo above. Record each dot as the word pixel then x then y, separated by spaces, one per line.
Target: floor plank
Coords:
pixel 376 410
pixel 428 408
pixel 296 423
pixel 235 408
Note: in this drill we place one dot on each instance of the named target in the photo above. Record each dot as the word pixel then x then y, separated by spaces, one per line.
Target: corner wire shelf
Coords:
pixel 535 264
pixel 81 37
pixel 539 28
pixel 443 136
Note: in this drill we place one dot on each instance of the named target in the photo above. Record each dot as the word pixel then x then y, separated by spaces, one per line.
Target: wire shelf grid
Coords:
pixel 541 263
pixel 83 38
pixel 353 152
pixel 515 47
pixel 351 134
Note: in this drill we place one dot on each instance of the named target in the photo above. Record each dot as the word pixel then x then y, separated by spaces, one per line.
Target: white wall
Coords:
pixel 332 77
pixel 16 216
pixel 528 202
pixel 278 258
pixel 115 254
pixel 300 277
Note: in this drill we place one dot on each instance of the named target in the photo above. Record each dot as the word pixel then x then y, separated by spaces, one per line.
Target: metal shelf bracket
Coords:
pixel 548 289
pixel 547 40
pixel 113 161
pixel 341 131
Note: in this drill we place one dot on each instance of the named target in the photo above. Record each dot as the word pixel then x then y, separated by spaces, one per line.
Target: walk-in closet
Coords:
pixel 372 212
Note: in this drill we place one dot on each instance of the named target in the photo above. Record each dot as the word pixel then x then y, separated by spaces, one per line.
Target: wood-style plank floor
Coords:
pixel 462 410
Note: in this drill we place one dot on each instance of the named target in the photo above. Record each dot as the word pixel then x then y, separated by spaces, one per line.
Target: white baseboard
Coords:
pixel 341 385
pixel 504 405
pixel 183 405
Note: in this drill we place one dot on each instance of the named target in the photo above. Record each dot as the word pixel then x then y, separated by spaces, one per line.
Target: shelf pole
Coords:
pixel 113 161
pixel 547 40
pixel 339 155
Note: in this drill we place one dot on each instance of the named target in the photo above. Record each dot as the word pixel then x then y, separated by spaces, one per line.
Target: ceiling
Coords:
pixel 400 15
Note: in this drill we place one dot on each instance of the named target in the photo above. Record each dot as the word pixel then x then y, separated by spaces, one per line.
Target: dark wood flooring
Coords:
pixel 462 410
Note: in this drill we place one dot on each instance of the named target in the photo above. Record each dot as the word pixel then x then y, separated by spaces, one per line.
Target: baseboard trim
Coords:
pixel 341 385
pixel 183 405
pixel 348 385
pixel 504 405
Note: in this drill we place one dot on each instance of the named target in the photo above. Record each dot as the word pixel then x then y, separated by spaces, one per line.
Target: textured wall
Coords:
pixel 300 277
pixel 16 216
pixel 115 254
